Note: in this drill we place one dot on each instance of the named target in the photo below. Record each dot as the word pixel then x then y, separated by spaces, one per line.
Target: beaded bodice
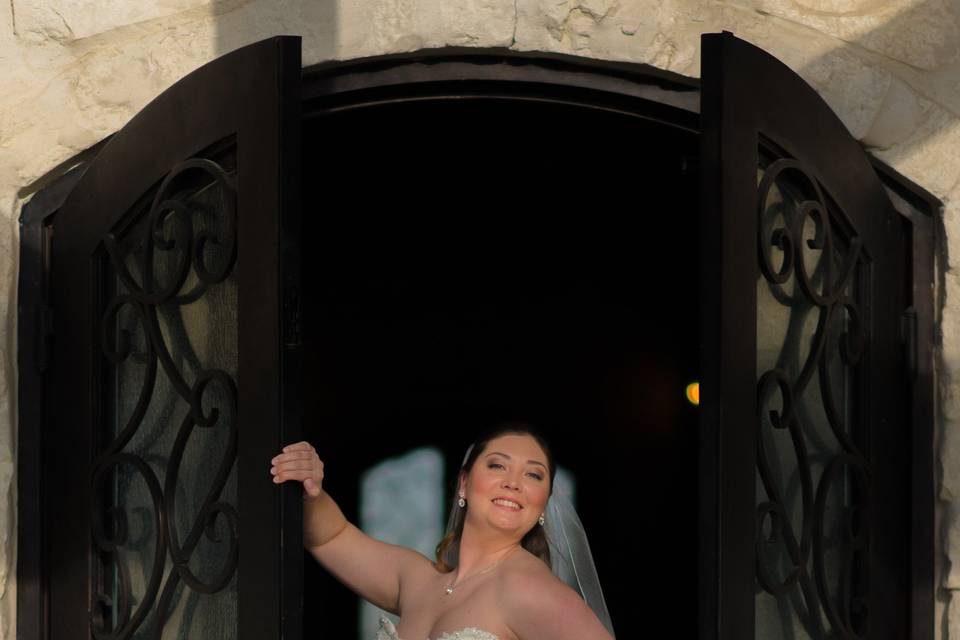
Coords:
pixel 388 632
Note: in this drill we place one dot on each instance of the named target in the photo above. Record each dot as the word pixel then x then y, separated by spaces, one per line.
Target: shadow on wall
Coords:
pixel 900 56
pixel 319 23
pixel 883 84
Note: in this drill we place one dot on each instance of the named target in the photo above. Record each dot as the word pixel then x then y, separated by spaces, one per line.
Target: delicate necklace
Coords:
pixel 450 587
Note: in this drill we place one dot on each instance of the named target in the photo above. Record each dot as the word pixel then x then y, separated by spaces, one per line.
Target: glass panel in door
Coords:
pixel 166 525
pixel 811 476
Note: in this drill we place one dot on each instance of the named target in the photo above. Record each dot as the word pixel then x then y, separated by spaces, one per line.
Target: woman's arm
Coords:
pixel 374 570
pixel 536 607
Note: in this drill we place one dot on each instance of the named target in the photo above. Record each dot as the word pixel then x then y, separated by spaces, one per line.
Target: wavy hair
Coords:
pixel 534 541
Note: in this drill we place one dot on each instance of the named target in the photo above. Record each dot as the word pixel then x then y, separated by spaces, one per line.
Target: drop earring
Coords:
pixel 461 502
pixel 541 520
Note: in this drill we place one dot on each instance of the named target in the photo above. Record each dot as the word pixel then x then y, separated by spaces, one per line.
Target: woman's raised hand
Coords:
pixel 299 462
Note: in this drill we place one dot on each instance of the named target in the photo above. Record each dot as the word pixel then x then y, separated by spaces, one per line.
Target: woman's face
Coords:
pixel 509 484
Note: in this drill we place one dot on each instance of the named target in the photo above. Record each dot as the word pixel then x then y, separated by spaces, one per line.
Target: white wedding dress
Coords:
pixel 388 632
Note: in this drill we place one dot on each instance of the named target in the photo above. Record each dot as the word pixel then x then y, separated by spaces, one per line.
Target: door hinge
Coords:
pixel 44 336
pixel 908 335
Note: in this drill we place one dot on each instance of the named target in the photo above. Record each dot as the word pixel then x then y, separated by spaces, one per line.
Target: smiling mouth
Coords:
pixel 507 504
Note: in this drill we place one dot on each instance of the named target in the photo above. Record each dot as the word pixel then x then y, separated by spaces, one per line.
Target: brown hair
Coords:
pixel 534 541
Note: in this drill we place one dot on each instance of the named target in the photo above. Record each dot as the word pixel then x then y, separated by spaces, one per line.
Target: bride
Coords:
pixel 492 577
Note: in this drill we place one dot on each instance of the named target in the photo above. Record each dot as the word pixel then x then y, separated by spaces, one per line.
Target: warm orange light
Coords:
pixel 693 393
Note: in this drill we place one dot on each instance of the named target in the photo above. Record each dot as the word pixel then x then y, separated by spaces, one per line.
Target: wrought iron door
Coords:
pixel 174 278
pixel 804 507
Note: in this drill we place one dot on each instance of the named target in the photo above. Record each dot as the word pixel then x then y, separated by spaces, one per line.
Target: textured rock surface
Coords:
pixel 949 453
pixel 925 35
pixel 64 21
pixel 889 68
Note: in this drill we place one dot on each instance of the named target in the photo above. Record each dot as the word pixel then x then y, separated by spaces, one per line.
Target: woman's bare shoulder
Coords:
pixel 535 603
pixel 528 572
pixel 418 572
pixel 419 567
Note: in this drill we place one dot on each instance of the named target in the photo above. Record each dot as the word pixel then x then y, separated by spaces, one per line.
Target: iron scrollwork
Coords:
pixel 185 237
pixel 823 483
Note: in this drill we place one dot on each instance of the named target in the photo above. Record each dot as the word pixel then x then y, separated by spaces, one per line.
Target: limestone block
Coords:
pixel 922 34
pixel 929 154
pixel 92 98
pixel 64 21
pixel 472 22
pixel 950 403
pixel 951 225
pixel 333 30
pixel 7 37
pixel 8 612
pixel 665 33
pixel 941 87
pixel 337 30
pixel 8 529
pixel 119 83
pixel 854 89
pixel 330 29
pixel 438 23
pixel 953 617
pixel 255 20
pixel 899 114
pixel 855 86
pixel 8 540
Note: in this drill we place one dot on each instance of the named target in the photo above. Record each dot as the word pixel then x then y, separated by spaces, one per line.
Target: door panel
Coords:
pixel 169 333
pixel 804 286
pixel 170 263
pixel 811 475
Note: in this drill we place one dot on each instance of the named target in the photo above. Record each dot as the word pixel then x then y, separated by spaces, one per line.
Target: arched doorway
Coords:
pixel 498 259
pixel 580 286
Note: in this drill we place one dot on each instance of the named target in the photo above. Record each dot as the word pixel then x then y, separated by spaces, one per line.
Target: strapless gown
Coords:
pixel 388 632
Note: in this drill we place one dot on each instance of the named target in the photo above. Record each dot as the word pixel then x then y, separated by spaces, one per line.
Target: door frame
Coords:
pixel 447 73
pixel 245 94
pixel 750 97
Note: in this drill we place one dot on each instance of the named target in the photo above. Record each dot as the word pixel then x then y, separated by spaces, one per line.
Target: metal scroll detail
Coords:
pixel 162 520
pixel 813 483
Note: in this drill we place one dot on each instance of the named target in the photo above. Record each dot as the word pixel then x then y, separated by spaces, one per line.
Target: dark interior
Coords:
pixel 474 260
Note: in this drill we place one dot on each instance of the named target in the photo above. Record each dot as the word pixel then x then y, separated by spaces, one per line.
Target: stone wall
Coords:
pixel 889 68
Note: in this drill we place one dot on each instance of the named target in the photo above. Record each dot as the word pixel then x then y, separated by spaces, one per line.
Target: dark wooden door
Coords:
pixel 805 452
pixel 174 284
